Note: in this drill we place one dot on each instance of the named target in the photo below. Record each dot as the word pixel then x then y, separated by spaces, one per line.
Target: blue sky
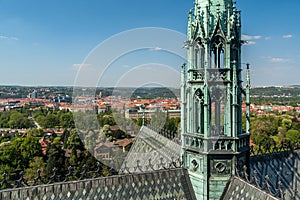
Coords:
pixel 43 42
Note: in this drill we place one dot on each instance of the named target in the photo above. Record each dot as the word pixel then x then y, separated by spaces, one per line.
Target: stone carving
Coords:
pixel 218 75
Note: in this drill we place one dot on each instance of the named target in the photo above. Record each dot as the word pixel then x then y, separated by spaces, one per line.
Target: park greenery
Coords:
pixel 14 119
pixel 23 152
pixel 270 129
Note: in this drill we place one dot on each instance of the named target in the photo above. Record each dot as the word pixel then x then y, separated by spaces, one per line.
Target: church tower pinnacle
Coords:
pixel 214 144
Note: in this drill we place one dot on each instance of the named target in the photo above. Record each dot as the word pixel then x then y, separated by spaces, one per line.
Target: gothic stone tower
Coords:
pixel 213 141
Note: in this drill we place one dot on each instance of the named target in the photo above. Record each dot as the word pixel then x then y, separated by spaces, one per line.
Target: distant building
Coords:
pixel 105 150
pixel 44 142
pixel 137 114
pixel 62 99
pixel 125 144
pixel 33 95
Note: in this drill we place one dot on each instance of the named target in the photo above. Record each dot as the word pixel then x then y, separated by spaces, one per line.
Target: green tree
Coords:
pixel 105 134
pixel 74 142
pixel 158 119
pixel 4 118
pixel 172 124
pixel 262 126
pixel 106 119
pixel 55 158
pixel 263 140
pixel 286 123
pixel 66 120
pixel 19 120
pixel 35 164
pixel 10 154
pixel 41 120
pixel 90 141
pixel 52 121
pixel 295 124
pixel 76 146
pixel 35 132
pixel 86 121
pixel 293 136
pixel 30 148
pixel 64 137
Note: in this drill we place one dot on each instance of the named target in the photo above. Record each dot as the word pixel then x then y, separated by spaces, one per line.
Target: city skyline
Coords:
pixel 46 43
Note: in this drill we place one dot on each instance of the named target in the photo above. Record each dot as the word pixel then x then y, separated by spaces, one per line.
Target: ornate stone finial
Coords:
pixel 267 184
pixel 255 179
pixel 38 178
pixel 5 184
pixel 295 192
pixel 21 180
pixel 279 191
pixel 54 176
pixel 143 107
pixel 138 167
pixel 150 165
pixel 246 173
pixel 218 9
pixel 83 174
pixel 234 5
pixel 4 175
pixel 69 174
pixel 183 67
pixel 99 170
pixel 161 164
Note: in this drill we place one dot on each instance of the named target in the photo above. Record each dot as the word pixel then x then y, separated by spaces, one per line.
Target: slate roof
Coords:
pixel 160 185
pixel 240 189
pixel 283 167
pixel 151 172
pixel 152 152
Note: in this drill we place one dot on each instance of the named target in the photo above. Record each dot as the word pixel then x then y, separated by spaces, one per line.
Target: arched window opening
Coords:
pixel 222 59
pixel 199 112
pixel 212 59
pixel 200 57
pixel 218 112
pixel 217 53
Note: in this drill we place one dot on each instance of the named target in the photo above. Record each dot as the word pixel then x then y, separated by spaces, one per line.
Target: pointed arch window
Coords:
pixel 199 111
pixel 200 56
pixel 217 107
pixel 217 52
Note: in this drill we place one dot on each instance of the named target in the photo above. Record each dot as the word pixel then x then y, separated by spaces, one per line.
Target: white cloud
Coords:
pixel 287 36
pixel 251 37
pixel 250 43
pixel 278 60
pixel 156 49
pixel 3 37
pixel 78 66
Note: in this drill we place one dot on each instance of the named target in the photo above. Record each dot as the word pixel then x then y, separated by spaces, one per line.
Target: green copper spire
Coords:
pixel 213 142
